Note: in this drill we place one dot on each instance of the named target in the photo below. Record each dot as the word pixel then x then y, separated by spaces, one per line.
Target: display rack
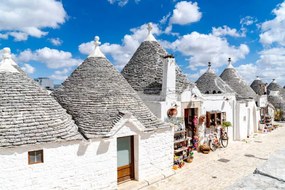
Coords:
pixel 182 148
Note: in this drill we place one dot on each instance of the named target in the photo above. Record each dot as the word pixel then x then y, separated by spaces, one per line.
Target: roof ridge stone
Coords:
pixel 96 52
pixel 7 64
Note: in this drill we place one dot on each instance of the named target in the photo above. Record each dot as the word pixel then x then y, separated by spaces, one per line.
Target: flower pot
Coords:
pixel 175 167
pixel 190 159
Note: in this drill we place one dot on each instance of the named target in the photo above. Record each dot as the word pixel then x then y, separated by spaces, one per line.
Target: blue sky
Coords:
pixel 50 38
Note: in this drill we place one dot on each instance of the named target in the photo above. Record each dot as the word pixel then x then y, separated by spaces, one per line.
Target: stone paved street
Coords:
pixel 207 172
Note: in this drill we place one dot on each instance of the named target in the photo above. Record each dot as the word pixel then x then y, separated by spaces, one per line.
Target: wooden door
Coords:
pixel 125 158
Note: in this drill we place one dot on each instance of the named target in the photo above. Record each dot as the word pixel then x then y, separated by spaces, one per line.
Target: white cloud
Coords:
pixel 53 58
pixel 28 68
pixel 164 18
pixel 60 74
pixel 271 64
pixel 56 41
pixel 22 18
pixel 273 30
pixel 271 60
pixel 4 36
pixel 202 48
pixel 121 3
pixel 121 53
pixel 248 72
pixel 19 36
pixel 247 21
pixel 183 13
pixel 272 57
pixel 225 30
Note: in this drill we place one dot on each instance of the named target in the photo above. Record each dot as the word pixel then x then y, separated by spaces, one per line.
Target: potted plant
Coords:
pixel 191 157
pixel 226 124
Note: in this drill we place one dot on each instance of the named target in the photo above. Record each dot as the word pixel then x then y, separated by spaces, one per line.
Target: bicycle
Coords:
pixel 213 141
pixel 216 142
pixel 224 138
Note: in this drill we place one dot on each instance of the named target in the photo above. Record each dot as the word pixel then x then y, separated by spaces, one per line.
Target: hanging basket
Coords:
pixel 172 112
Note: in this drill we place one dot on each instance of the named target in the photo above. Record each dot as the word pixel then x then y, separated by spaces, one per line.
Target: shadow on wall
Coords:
pixel 32 147
pixel 103 147
pixel 82 148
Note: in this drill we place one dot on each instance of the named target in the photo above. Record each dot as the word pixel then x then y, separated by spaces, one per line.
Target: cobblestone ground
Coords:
pixel 222 168
pixel 207 172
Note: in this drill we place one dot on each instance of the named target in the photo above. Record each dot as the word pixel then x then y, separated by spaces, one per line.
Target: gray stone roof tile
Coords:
pixel 96 95
pixel 28 115
pixel 210 83
pixel 259 87
pixel 144 71
pixel 274 86
pixel 231 77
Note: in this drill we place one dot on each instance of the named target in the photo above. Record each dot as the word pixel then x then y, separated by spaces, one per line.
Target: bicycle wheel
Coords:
pixel 212 145
pixel 224 140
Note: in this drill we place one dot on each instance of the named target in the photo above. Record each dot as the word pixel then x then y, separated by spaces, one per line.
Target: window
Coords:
pixel 36 157
pixel 215 118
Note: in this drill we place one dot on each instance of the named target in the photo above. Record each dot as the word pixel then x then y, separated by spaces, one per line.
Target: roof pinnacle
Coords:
pixel 149 27
pixel 150 37
pixel 6 53
pixel 230 63
pixel 210 70
pixel 96 41
pixel 96 52
pixel 6 65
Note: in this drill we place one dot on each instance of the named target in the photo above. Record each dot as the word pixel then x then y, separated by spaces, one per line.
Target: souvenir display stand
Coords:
pixel 182 142
pixel 182 147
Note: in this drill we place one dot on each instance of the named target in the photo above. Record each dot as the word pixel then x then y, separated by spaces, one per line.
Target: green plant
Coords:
pixel 191 154
pixel 226 124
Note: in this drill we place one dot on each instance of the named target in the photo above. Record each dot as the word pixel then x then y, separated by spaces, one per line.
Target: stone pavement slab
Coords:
pixel 210 171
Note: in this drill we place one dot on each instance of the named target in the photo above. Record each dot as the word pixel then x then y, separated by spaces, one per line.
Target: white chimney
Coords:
pixel 169 79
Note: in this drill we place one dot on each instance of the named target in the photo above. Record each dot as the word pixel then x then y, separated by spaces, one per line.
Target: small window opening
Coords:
pixel 36 157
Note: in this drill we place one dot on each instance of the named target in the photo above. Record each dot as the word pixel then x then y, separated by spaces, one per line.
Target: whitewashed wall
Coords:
pixel 262 101
pixel 87 165
pixel 153 149
pixel 217 102
pixel 247 119
pixel 74 165
pixel 159 109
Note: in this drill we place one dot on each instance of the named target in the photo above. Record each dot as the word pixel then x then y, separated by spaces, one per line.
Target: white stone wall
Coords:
pixel 262 101
pixel 156 154
pixel 73 165
pixel 153 150
pixel 168 91
pixel 217 102
pixel 159 109
pixel 89 164
pixel 242 124
pixel 247 119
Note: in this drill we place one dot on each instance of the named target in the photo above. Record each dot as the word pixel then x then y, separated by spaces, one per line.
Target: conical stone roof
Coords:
pixel 97 96
pixel 277 101
pixel 274 86
pixel 144 71
pixel 210 83
pixel 258 86
pixel 28 114
pixel 231 77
